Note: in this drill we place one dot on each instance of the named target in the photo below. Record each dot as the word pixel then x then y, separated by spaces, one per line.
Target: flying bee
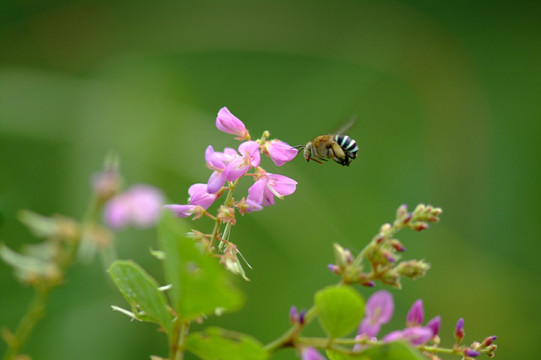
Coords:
pixel 341 148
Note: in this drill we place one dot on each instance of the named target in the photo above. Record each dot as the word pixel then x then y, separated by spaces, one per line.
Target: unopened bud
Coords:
pixel 471 353
pixel 397 245
pixel 226 214
pixel 488 341
pixel 334 268
pixel 419 209
pixel 342 256
pixel 459 330
pixel 419 226
pixel 402 212
pixel 413 268
pixel 293 315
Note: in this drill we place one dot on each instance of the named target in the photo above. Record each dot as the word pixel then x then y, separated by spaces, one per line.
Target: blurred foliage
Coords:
pixel 446 96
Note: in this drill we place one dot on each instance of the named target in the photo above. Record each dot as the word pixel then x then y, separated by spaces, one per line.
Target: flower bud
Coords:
pixel 488 341
pixel 416 314
pixel 471 353
pixel 459 330
pixel 397 245
pixel 226 214
pixel 413 268
pixel 334 268
pixel 293 315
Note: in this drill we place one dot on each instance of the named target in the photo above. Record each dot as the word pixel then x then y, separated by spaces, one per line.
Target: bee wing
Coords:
pixel 347 126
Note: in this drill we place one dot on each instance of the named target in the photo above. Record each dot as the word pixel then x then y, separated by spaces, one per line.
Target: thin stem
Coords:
pixel 287 338
pixel 177 340
pixel 37 307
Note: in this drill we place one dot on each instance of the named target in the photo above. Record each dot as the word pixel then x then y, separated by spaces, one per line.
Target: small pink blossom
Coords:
pixel 140 206
pixel 416 314
pixel 219 162
pixel 279 151
pixel 229 165
pixel 415 335
pixel 181 210
pixel 229 123
pixel 434 324
pixel 200 196
pixel 268 186
pixel 379 311
pixel 199 201
pixel 250 151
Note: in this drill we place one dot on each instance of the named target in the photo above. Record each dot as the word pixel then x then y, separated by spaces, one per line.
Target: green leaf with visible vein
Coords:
pixel 141 291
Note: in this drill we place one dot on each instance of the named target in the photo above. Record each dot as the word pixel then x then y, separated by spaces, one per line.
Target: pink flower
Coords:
pixel 268 186
pixel 199 201
pixel 415 335
pixel 181 210
pixel 416 314
pixel 200 196
pixel 140 206
pixel 250 151
pixel 434 324
pixel 229 165
pixel 229 123
pixel 218 162
pixel 379 310
pixel 279 151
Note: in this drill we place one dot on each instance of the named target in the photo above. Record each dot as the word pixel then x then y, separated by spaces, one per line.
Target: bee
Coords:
pixel 340 148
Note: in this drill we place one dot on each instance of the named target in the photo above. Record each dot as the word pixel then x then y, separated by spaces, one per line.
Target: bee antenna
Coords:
pixel 299 147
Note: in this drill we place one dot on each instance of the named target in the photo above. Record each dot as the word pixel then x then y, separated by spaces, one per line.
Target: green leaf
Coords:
pixel 200 284
pixel 215 343
pixel 392 351
pixel 141 291
pixel 340 310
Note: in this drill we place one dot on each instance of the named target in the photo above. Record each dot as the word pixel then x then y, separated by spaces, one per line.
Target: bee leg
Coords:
pixel 339 155
pixel 316 160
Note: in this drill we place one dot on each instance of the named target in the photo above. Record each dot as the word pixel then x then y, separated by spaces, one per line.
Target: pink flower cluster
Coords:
pixel 230 165
pixel 379 310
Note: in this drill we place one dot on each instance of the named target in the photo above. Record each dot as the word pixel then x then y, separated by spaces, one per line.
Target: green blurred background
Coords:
pixel 447 102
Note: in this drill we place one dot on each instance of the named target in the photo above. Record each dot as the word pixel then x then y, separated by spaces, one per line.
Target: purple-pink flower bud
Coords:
pixel 293 315
pixel 434 324
pixel 471 353
pixel 302 315
pixel 140 206
pixel 334 268
pixel 279 151
pixel 488 341
pixel 229 123
pixel 459 330
pixel 416 314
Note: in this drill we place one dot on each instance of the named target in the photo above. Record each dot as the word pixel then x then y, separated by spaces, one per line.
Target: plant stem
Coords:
pixel 288 337
pixel 36 309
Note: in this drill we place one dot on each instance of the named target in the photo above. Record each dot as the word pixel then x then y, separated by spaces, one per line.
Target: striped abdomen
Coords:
pixel 348 145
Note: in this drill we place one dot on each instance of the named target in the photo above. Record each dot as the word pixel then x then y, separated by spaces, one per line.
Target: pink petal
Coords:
pixel 229 123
